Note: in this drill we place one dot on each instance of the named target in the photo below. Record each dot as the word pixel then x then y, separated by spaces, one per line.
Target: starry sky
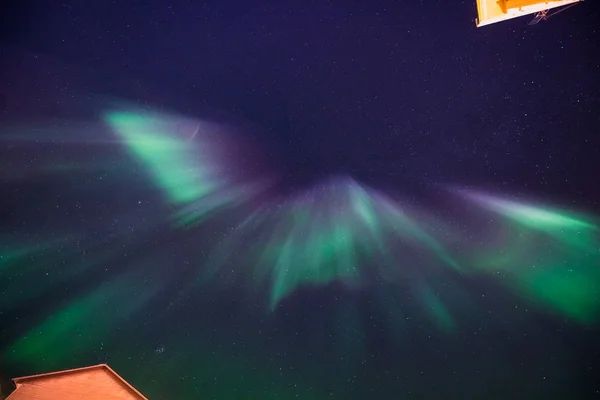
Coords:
pixel 312 199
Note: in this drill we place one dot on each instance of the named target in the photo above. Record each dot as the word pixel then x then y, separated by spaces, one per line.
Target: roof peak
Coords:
pixel 23 379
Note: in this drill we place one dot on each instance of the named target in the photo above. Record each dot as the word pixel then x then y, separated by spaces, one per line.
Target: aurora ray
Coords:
pixel 538 218
pixel 327 233
pixel 550 256
pixel 184 159
pixel 83 321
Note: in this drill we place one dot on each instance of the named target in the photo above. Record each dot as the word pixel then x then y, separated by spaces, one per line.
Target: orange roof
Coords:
pixel 97 381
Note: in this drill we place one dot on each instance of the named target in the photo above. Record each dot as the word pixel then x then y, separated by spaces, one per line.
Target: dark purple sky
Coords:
pixel 391 93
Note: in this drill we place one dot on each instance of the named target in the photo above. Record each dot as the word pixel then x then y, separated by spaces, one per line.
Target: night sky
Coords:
pixel 312 199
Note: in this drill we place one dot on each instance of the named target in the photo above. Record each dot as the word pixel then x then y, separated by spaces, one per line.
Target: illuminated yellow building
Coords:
pixel 492 11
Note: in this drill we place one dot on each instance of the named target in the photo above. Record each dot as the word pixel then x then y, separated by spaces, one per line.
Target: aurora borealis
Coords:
pixel 561 272
pixel 327 234
pixel 337 236
pixel 314 201
pixel 187 175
